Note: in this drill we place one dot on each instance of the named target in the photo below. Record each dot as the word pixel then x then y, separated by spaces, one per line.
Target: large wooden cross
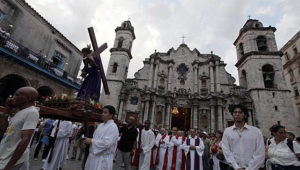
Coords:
pixel 96 53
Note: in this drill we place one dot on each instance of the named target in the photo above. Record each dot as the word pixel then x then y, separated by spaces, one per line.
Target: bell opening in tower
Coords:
pixel 181 118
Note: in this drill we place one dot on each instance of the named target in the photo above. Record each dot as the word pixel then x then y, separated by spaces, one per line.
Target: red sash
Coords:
pixel 151 163
pixel 183 156
pixel 174 157
pixel 135 159
pixel 166 155
pixel 157 152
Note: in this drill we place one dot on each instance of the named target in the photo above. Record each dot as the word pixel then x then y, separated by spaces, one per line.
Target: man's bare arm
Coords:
pixel 25 139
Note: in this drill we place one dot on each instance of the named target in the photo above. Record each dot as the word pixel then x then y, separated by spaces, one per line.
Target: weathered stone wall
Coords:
pixel 33 77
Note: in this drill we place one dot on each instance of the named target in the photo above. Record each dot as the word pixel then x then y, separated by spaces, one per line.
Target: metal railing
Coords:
pixel 16 48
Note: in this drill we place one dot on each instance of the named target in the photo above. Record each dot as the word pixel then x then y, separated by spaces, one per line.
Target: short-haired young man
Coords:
pixel 103 143
pixel 242 144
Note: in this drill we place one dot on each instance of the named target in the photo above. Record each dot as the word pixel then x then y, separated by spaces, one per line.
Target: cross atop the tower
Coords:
pixel 183 37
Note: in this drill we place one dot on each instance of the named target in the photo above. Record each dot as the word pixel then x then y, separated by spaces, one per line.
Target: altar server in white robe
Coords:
pixel 147 143
pixel 193 148
pixel 180 159
pixel 104 142
pixel 172 146
pixel 160 142
pixel 60 148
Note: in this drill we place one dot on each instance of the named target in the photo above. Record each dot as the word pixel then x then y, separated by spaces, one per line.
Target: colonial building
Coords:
pixel 34 53
pixel 291 65
pixel 183 87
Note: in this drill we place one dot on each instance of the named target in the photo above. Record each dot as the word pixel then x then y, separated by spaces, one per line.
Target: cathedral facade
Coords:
pixel 187 89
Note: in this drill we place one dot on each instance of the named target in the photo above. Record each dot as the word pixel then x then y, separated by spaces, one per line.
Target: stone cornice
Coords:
pixel 245 29
pixel 121 50
pixel 246 55
pixel 125 29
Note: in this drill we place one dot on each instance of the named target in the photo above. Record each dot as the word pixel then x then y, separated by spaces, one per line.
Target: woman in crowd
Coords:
pixel 283 153
pixel 214 148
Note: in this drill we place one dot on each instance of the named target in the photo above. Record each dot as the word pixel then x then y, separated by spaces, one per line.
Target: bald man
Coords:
pixel 14 145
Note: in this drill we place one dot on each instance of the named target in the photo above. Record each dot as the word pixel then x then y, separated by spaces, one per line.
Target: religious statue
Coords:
pixel 90 88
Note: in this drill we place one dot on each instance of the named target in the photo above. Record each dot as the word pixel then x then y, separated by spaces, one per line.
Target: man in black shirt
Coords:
pixel 126 145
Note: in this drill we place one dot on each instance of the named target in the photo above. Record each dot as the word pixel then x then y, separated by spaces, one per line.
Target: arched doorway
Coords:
pixel 44 91
pixel 9 84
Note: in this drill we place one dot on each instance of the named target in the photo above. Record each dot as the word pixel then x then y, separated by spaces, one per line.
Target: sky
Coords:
pixel 208 25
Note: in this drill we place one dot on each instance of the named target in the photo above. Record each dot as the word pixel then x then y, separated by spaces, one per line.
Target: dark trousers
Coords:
pixel 46 148
pixel 205 159
pixel 224 166
pixel 280 167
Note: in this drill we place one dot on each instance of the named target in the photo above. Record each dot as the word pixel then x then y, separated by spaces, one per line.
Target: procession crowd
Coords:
pixel 112 144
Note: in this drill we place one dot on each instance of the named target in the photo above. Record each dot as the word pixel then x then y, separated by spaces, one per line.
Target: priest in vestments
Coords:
pixel 104 142
pixel 160 142
pixel 60 148
pixel 193 148
pixel 147 143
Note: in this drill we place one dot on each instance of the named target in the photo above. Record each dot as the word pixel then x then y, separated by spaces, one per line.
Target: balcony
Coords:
pixel 11 49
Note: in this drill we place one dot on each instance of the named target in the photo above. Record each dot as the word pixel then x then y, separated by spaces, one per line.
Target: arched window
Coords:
pixel 162 81
pixel 134 100
pixel 268 75
pixel 203 83
pixel 115 68
pixel 261 42
pixel 120 42
pixel 244 79
pixel 241 46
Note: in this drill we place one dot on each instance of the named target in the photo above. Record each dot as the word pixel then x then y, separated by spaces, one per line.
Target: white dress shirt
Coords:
pixel 281 154
pixel 244 148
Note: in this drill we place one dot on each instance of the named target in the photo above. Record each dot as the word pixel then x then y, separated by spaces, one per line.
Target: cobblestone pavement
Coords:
pixel 37 165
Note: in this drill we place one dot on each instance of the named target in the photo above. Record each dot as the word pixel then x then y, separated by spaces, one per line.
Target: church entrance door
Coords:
pixel 181 118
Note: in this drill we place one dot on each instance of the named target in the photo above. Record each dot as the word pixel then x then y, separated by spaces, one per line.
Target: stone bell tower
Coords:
pixel 260 71
pixel 118 64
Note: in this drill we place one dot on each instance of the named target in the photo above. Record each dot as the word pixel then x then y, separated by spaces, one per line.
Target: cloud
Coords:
pixel 208 25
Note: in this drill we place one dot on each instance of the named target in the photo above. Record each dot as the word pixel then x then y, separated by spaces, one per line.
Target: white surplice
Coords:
pixel 60 148
pixel 170 144
pixel 162 150
pixel 102 149
pixel 178 142
pixel 147 143
pixel 199 150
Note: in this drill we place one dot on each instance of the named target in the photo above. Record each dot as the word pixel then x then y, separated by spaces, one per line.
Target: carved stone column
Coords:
pixel 163 116
pixel 218 76
pixel 195 79
pixel 120 113
pixel 170 73
pixel 156 75
pixel 250 122
pixel 220 118
pixel 168 115
pixel 212 119
pixel 152 114
pixel 195 121
pixel 212 77
pixel 150 73
pixel 146 111
pixel 141 113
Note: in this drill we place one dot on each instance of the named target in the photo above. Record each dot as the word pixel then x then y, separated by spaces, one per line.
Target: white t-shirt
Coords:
pixel 281 154
pixel 23 120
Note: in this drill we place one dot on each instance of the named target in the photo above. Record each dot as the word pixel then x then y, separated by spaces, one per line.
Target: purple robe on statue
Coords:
pixel 91 85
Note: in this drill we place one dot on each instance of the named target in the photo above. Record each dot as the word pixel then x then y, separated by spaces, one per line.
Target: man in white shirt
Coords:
pixel 242 144
pixel 104 142
pixel 147 143
pixel 14 148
